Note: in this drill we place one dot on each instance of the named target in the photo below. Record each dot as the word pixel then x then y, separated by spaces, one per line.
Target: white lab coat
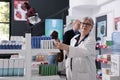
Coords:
pixel 83 59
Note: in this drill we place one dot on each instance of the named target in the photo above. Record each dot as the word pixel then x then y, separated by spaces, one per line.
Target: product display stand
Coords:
pixel 113 73
pixel 110 65
pixel 15 52
pixel 28 52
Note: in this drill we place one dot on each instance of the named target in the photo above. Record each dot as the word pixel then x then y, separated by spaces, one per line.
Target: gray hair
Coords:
pixel 90 19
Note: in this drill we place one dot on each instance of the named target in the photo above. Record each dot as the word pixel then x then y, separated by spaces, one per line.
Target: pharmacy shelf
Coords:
pixel 9 51
pixel 12 78
pixel 36 76
pixel 52 77
pixel 38 63
pixel 47 78
pixel 31 75
pixel 43 51
pixel 110 77
pixel 28 52
pixel 103 61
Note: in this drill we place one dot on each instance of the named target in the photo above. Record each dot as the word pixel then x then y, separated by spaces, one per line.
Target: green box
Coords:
pixel 109 43
pixel 48 69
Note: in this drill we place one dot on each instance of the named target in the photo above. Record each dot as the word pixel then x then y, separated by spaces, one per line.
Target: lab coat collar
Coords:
pixel 77 39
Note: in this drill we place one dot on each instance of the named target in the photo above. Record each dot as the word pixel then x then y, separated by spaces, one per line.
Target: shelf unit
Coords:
pixel 15 52
pixel 8 51
pixel 28 52
pixel 12 78
pixel 37 77
pixel 107 66
pixel 103 62
pixel 43 51
pixel 34 52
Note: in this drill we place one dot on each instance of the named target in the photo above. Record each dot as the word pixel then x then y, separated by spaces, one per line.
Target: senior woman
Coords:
pixel 81 62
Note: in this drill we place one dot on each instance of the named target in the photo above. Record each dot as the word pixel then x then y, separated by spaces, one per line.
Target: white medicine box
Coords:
pixel 115 64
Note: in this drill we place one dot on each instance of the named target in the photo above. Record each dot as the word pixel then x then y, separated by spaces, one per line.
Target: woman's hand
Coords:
pixel 58 45
pixel 61 46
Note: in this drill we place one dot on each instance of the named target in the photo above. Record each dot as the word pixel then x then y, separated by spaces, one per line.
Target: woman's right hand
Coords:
pixel 61 46
pixel 58 45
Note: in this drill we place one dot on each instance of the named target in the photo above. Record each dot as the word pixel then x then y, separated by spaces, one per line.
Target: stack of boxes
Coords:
pixel 112 73
pixel 11 67
pixel 38 58
pixel 10 45
pixel 42 42
pixel 46 69
pixel 115 65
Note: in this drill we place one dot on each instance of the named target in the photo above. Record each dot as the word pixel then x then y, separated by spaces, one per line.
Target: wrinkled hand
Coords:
pixel 58 45
pixel 61 46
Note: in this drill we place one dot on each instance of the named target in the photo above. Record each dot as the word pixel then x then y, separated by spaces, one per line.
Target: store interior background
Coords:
pixel 96 8
pixel 67 10
pixel 47 9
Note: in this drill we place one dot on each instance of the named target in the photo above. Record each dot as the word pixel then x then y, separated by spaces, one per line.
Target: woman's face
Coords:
pixel 86 26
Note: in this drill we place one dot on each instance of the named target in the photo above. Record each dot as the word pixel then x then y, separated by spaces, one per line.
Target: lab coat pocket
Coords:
pixel 82 64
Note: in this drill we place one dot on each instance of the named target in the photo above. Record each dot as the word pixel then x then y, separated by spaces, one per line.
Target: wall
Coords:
pixel 112 10
pixel 102 7
pixel 74 3
pixel 78 6
pixel 46 9
pixel 84 5
pixel 82 12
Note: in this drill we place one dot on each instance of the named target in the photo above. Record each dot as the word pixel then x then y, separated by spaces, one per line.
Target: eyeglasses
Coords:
pixel 86 24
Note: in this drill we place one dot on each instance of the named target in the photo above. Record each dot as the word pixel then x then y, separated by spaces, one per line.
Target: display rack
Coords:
pixel 103 62
pixel 12 78
pixel 28 52
pixel 43 51
pixel 112 73
pixel 107 65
